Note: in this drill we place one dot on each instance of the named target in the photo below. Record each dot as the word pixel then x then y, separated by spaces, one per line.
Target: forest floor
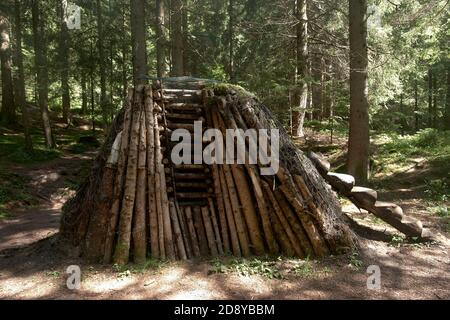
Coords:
pixel 32 192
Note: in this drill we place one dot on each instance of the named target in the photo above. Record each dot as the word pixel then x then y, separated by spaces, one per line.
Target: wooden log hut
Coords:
pixel 137 203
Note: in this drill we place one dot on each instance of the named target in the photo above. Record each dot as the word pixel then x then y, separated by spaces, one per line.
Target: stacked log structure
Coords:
pixel 137 203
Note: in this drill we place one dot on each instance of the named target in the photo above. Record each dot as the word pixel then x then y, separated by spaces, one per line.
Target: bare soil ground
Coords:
pixel 33 267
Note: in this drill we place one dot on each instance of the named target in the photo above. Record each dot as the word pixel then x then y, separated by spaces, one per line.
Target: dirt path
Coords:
pixel 31 266
pixel 49 183
pixel 407 272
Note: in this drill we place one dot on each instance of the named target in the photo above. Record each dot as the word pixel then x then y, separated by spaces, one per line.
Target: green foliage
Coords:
pixel 397 240
pixel 248 267
pixel 13 192
pixel 12 148
pixel 150 264
pixel 437 189
pixel 441 211
pixel 303 269
pixel 396 151
pixel 53 273
pixel 355 260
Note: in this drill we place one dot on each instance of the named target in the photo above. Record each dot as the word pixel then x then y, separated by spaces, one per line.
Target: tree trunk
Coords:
pixel 160 39
pixel 435 107
pixel 302 65
pixel 8 112
pixel 124 54
pixel 358 141
pixel 101 62
pixel 403 116
pixel 430 98
pixel 322 89
pixel 176 36
pixel 416 106
pixel 64 52
pixel 447 100
pixel 84 98
pixel 20 98
pixel 231 42
pixel 186 51
pixel 91 86
pixel 139 38
pixel 40 58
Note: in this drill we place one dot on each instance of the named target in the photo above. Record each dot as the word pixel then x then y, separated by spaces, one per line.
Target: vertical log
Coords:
pixel 139 227
pixel 158 194
pixel 209 231
pixel 198 223
pixel 248 208
pixel 229 214
pixel 236 207
pixel 152 211
pixel 192 233
pixel 184 230
pixel 122 250
pixel 177 231
pixel 219 198
pixel 168 239
pixel 215 225
pixel 120 176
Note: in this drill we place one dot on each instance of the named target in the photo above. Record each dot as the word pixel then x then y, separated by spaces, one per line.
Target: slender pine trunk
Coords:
pixel 302 76
pixel 8 111
pixel 101 62
pixel 231 41
pixel 40 55
pixel 138 36
pixel 358 141
pixel 64 51
pixel 160 39
pixel 176 35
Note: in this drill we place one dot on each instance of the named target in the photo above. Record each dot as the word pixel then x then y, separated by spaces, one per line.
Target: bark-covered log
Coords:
pixel 122 250
pixel 139 224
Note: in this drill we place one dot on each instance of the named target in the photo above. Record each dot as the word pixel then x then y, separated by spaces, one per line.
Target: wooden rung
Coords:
pixel 191 167
pixel 184 105
pixel 191 175
pixel 180 98
pixel 187 167
pixel 193 195
pixel 173 143
pixel 204 140
pixel 183 184
pixel 185 116
pixel 193 185
pixel 188 202
pixel 188 91
pixel 187 126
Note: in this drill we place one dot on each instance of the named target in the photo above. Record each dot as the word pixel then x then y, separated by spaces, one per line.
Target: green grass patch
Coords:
pixel 338 125
pixel 12 149
pixel 355 260
pixel 129 269
pixel 395 152
pixel 13 193
pixel 442 211
pixel 303 269
pixel 247 267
